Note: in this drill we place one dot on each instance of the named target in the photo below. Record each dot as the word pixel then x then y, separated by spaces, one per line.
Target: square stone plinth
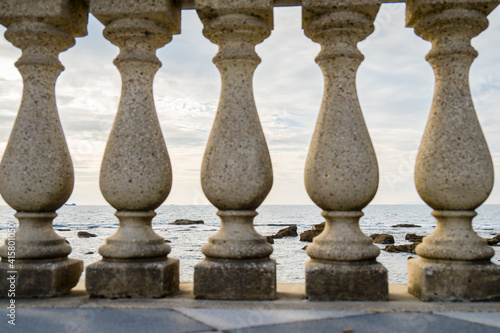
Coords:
pixel 39 278
pixel 447 280
pixel 235 279
pixel 133 278
pixel 343 281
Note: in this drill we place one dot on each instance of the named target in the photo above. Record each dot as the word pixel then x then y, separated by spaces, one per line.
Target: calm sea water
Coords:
pixel 186 241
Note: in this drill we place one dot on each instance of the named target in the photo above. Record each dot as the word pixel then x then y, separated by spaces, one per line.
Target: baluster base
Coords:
pixel 452 280
pixel 133 278
pixel 346 281
pixel 40 278
pixel 253 279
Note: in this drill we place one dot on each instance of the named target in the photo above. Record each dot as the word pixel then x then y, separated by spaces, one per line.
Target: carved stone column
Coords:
pixel 236 173
pixel 36 173
pixel 341 173
pixel 454 171
pixel 136 174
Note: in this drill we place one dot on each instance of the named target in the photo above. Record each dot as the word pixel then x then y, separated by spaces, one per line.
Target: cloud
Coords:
pixel 395 87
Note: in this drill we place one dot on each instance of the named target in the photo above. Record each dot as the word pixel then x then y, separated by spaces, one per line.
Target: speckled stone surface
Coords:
pixel 451 281
pixel 237 279
pixel 341 173
pixel 48 278
pixel 236 173
pixel 133 278
pixel 340 281
pixel 136 175
pixel 454 170
pixel 36 172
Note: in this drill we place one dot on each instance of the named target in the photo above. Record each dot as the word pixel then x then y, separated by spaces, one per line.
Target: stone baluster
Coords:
pixel 341 173
pixel 454 170
pixel 236 173
pixel 36 172
pixel 136 174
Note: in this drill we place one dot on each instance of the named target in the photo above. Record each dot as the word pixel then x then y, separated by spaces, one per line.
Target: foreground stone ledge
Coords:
pixel 141 278
pixel 344 281
pixel 290 296
pixel 40 278
pixel 442 280
pixel 235 279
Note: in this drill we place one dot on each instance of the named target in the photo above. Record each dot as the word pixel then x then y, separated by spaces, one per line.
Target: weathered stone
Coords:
pixel 497 237
pixel 36 172
pixel 382 238
pixel 136 175
pixel 344 281
pixel 406 225
pixel 236 176
pixel 236 172
pixel 454 169
pixel 164 13
pixel 187 222
pixel 133 278
pixel 85 234
pixel 451 280
pixel 308 235
pixel 341 173
pixel 41 279
pixel 290 231
pixel 344 241
pixel 236 279
pixel 63 14
pixel 414 238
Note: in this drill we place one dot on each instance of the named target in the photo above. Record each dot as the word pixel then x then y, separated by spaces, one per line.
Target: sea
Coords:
pixel 186 240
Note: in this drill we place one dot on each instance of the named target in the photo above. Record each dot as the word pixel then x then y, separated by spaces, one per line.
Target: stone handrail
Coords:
pixel 453 173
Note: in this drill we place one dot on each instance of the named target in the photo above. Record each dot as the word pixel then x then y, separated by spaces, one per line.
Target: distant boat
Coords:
pixel 72 204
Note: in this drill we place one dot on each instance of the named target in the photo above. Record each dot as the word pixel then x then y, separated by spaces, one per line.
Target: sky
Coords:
pixel 395 89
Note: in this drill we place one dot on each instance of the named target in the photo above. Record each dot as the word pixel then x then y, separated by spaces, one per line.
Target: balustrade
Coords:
pixel 341 172
pixel 453 173
pixel 236 174
pixel 136 175
pixel 36 172
pixel 454 170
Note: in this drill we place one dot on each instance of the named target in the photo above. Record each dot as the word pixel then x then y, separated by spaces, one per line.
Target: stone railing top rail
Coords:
pixel 189 4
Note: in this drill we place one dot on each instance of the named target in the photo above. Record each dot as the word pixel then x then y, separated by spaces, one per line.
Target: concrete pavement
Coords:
pixel 77 313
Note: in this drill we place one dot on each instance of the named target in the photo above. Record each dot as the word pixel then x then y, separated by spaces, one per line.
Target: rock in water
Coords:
pixel 382 238
pixel 308 235
pixel 269 239
pixel 319 226
pixel 414 238
pixel 406 225
pixel 186 222
pixel 391 248
pixel 410 248
pixel 290 231
pixel 85 234
pixel 492 241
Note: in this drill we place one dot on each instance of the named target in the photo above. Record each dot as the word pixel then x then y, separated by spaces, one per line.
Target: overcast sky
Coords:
pixel 395 86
